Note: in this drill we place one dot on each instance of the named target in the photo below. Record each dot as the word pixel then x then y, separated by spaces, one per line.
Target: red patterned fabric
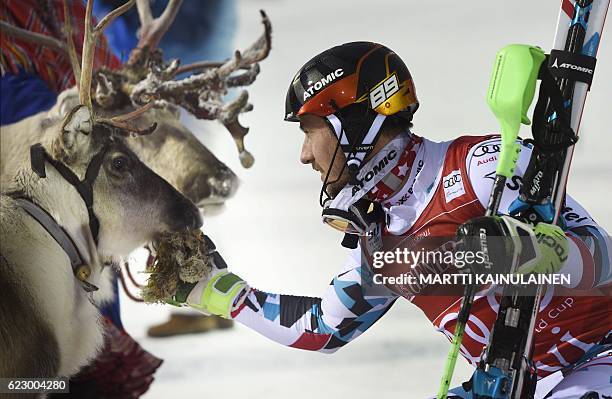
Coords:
pixel 123 369
pixel 47 17
pixel 311 341
pixel 402 171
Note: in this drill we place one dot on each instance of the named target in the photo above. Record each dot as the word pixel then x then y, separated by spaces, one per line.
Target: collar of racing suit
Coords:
pixel 370 174
pixel 407 188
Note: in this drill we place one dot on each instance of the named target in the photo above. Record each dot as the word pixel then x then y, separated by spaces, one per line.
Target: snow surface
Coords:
pixel 271 233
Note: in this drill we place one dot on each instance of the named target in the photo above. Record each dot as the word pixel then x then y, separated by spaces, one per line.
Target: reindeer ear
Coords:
pixel 76 126
pixel 67 101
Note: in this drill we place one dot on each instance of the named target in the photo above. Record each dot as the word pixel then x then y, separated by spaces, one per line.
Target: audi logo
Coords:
pixel 486 149
pixel 452 180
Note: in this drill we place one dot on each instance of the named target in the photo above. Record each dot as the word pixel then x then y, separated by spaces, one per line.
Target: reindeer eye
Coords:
pixel 119 163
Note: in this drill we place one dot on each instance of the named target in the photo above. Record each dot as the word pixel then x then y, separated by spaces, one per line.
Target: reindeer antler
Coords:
pixel 122 121
pixel 72 54
pixel 145 75
pixel 152 30
pixel 202 94
pixel 257 52
pixel 91 35
pixel 90 39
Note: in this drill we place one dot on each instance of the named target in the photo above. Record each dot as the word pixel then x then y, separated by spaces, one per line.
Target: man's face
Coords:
pixel 318 150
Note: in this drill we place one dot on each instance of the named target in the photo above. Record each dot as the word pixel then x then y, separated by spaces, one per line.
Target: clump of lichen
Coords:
pixel 180 258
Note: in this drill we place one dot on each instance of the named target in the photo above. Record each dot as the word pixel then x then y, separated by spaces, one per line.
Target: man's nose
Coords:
pixel 306 156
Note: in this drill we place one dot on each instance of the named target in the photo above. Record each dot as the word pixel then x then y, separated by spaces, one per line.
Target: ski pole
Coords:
pixel 509 96
pixel 557 115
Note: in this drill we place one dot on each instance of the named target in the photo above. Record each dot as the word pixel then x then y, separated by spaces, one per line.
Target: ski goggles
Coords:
pixel 357 220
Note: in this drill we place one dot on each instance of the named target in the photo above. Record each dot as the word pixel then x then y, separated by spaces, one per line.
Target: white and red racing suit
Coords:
pixel 433 189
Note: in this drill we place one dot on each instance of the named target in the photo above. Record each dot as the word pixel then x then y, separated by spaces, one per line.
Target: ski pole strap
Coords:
pixel 573 66
pixel 509 96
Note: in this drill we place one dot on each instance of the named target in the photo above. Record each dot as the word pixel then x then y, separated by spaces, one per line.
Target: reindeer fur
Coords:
pixel 48 326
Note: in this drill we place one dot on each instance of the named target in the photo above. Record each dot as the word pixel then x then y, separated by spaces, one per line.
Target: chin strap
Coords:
pixel 38 157
pixel 355 153
pixel 372 172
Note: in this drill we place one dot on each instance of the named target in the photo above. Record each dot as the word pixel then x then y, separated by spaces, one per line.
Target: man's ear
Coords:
pixel 74 134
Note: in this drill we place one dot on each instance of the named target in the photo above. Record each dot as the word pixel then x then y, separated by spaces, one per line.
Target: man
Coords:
pixel 383 184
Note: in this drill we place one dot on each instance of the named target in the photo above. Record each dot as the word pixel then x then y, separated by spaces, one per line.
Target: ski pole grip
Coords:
pixel 509 96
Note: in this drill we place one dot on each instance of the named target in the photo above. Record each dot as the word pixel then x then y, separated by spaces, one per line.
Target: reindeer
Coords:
pixel 173 151
pixel 82 196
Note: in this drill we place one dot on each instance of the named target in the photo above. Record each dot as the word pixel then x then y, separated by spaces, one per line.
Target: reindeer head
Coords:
pixel 200 175
pixel 131 203
pixel 146 77
pixel 173 152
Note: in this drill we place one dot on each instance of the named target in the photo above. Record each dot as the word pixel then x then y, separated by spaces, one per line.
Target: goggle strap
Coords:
pixel 350 241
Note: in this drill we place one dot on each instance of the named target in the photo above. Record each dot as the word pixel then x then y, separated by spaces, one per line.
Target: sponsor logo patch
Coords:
pixel 486 160
pixel 314 87
pixel 513 184
pixel 567 65
pixel 486 149
pixel 453 185
pixel 375 170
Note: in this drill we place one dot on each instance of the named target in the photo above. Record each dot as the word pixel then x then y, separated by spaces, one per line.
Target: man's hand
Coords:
pixel 507 241
pixel 218 293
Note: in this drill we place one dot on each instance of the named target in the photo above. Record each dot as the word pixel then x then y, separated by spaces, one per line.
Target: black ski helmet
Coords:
pixel 354 86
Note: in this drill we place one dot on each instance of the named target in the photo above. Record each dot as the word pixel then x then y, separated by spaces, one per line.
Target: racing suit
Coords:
pixel 433 189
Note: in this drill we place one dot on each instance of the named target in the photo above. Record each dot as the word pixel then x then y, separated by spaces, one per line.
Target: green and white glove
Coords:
pixel 218 293
pixel 551 247
pixel 542 248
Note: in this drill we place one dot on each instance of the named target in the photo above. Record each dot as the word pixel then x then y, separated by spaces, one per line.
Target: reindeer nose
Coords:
pixel 212 188
pixel 185 216
pixel 223 184
pixel 196 219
